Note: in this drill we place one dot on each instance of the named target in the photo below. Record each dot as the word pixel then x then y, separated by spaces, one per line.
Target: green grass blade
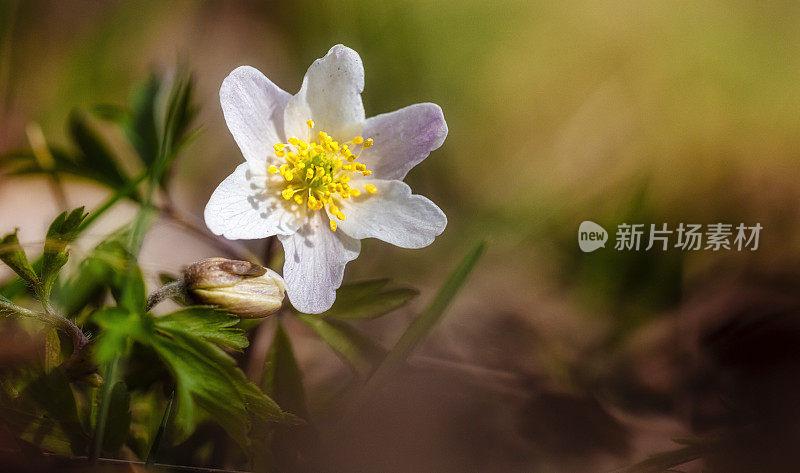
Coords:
pixel 422 325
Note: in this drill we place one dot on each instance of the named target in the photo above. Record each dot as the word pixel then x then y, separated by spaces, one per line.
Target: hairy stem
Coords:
pixel 175 288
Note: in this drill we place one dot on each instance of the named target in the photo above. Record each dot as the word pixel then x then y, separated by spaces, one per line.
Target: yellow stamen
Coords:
pixel 318 173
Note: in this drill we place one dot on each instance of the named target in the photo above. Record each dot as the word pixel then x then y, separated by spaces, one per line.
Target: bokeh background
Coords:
pixel 551 360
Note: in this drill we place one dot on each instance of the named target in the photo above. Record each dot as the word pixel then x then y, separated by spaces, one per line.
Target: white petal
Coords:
pixel 403 139
pixel 315 261
pixel 393 215
pixel 245 206
pixel 331 96
pixel 253 107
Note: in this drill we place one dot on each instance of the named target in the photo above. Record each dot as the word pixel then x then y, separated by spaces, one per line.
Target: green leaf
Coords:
pixel 133 296
pixel 210 324
pixel 208 380
pixel 352 347
pixel 119 326
pixel 119 418
pixel 141 130
pixel 371 305
pixel 11 253
pixel 176 132
pixel 282 380
pixel 356 291
pixel 61 233
pixel 423 324
pixel 52 393
pixel 94 155
pixel 104 268
pixel 200 383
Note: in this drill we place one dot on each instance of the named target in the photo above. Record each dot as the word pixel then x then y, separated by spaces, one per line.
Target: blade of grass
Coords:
pixel 154 447
pixel 421 326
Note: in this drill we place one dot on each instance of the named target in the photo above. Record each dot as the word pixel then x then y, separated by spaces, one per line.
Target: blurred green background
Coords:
pixel 559 111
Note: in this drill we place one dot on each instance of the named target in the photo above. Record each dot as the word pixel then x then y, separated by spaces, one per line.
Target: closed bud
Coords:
pixel 245 289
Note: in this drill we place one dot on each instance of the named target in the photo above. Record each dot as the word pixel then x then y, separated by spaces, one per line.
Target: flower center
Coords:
pixel 318 172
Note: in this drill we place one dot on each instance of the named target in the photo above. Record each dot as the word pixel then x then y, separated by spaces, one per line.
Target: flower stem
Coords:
pixel 175 288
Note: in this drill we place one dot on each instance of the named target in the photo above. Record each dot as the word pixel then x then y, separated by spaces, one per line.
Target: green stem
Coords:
pixel 110 375
pixel 120 194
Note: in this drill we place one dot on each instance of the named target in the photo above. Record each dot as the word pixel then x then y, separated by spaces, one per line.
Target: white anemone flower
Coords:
pixel 322 177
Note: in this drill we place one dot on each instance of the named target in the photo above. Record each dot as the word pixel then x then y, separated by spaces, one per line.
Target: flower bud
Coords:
pixel 245 289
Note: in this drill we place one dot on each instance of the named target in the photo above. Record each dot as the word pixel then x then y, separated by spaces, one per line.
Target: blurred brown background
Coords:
pixel 551 360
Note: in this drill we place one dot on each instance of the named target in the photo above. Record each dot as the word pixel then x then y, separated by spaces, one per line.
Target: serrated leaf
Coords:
pixel 201 384
pixel 255 400
pixel 61 233
pixel 11 253
pixel 353 347
pixel 209 381
pixel 210 324
pixel 283 380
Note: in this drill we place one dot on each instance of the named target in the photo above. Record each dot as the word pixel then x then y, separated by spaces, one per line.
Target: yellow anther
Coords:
pixel 319 172
pixel 310 123
pixel 298 143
